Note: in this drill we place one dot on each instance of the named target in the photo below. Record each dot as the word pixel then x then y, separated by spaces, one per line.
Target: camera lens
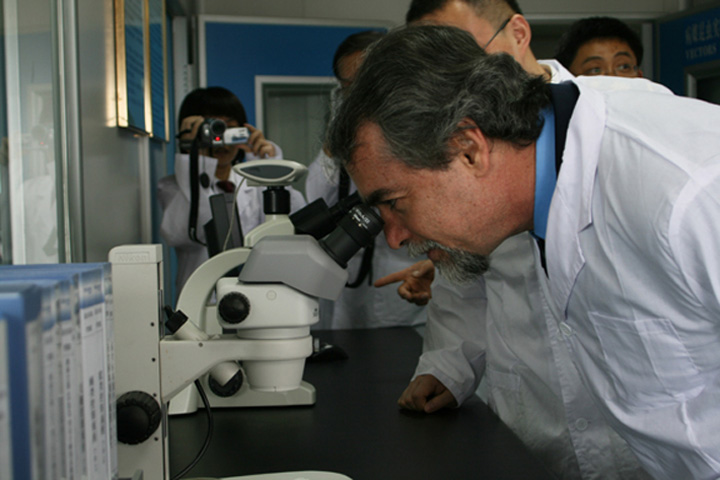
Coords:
pixel 210 133
pixel 355 231
pixel 217 127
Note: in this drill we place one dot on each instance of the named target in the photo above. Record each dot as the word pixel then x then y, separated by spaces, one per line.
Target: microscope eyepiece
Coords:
pixel 341 208
pixel 317 219
pixel 355 230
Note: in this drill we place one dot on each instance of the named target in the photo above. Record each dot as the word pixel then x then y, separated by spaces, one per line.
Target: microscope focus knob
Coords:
pixel 234 307
pixel 138 416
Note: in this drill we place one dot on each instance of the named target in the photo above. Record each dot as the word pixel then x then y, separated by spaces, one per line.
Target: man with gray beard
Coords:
pixel 496 327
pixel 458 267
pixel 470 150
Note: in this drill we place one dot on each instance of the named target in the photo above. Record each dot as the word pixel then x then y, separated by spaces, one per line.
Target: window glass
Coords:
pixel 5 233
pixel 29 133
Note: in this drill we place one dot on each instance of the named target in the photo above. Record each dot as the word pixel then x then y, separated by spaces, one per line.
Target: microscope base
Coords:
pixel 247 397
pixel 188 400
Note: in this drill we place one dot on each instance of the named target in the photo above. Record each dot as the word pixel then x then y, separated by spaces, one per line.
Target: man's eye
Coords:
pixel 594 71
pixel 625 69
pixel 391 203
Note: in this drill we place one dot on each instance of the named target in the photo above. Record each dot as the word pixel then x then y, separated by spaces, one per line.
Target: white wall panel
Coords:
pixel 114 159
pixel 385 10
pixel 394 10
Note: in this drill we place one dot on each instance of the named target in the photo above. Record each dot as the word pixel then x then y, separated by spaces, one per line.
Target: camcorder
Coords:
pixel 213 133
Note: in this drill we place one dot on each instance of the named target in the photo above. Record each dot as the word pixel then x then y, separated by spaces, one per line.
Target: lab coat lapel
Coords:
pixel 182 171
pixel 570 209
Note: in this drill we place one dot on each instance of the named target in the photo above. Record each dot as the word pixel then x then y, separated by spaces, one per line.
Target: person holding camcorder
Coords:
pixel 211 129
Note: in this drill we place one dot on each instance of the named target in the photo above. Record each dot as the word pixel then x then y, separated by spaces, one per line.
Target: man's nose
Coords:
pixel 395 234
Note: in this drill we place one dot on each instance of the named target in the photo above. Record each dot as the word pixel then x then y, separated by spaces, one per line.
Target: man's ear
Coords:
pixel 521 33
pixel 472 148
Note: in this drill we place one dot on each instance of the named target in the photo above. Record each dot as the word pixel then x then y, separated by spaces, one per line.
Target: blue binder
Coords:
pixel 93 281
pixel 20 306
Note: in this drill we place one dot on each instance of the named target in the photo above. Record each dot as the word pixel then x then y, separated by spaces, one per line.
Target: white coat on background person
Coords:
pixel 174 197
pixel 364 306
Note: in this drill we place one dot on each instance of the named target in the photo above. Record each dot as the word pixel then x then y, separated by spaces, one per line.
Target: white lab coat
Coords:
pixel 632 245
pixel 531 382
pixel 503 328
pixel 364 306
pixel 558 73
pixel 174 197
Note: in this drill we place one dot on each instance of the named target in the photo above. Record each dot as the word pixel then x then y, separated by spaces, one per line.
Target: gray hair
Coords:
pixel 419 83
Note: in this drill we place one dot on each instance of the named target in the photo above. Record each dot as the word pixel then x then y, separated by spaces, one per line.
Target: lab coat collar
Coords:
pixel 570 209
pixel 557 71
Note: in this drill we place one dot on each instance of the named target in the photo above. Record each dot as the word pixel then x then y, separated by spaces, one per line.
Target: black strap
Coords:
pixel 343 184
pixel 366 263
pixel 564 97
pixel 365 267
pixel 194 192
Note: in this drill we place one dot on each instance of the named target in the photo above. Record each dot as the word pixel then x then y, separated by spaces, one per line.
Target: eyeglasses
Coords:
pixel 504 24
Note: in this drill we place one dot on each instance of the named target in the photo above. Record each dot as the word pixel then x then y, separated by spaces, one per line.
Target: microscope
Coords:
pixel 264 316
pixel 224 385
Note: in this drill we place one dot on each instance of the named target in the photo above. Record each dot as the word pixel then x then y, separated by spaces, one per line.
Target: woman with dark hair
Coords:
pixel 215 175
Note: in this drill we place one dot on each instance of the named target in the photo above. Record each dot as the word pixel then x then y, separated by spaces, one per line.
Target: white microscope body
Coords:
pixel 195 301
pixel 269 308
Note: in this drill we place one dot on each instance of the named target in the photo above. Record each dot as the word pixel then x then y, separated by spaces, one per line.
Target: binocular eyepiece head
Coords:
pixel 342 229
pixel 354 231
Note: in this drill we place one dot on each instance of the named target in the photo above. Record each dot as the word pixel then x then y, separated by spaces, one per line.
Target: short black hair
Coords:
pixel 212 101
pixel 357 42
pixel 592 28
pixel 420 8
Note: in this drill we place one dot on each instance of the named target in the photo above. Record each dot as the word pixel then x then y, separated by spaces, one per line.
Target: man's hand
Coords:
pixel 416 280
pixel 426 394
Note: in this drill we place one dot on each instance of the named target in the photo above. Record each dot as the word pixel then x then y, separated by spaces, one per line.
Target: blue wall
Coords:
pixel 237 52
pixel 686 40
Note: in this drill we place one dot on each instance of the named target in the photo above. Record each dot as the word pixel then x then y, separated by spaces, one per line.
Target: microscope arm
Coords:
pixel 182 361
pixel 198 288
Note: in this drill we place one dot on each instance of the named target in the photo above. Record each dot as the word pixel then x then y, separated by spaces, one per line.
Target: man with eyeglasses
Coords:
pixel 497 26
pixel 495 327
pixel 601 46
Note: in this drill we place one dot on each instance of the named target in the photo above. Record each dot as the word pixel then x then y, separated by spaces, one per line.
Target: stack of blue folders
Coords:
pixel 57 397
